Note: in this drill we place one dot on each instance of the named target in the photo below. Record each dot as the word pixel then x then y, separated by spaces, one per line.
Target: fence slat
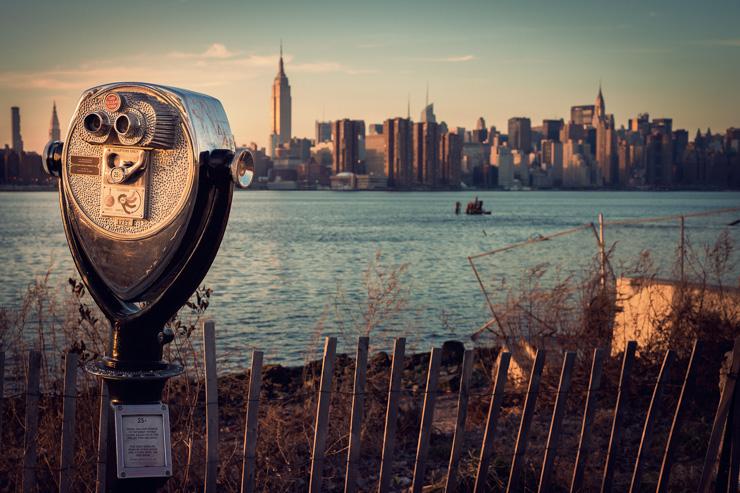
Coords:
pixel 2 394
pixel 497 397
pixel 427 418
pixel 69 410
pixel 681 408
pixel 103 421
pixel 557 417
pixel 355 427
pixel 30 438
pixel 734 427
pixel 624 379
pixel 720 420
pixel 594 385
pixel 209 348
pixel 250 423
pixel 322 415
pixel 462 412
pixel 654 408
pixel 389 435
pixel 520 448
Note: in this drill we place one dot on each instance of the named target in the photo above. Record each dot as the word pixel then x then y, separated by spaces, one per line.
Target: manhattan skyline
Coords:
pixel 495 60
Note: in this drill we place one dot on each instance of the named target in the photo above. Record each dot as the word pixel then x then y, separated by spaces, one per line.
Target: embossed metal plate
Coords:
pixel 143 444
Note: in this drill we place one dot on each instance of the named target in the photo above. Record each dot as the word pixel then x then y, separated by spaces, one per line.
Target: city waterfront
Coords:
pixel 291 261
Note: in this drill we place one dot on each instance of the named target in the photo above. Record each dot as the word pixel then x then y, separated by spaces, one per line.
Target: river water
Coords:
pixel 292 264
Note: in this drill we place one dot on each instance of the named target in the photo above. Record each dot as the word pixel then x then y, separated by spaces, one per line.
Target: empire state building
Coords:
pixel 280 109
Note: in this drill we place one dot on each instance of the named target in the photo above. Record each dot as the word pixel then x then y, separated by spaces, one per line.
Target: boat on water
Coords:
pixel 474 208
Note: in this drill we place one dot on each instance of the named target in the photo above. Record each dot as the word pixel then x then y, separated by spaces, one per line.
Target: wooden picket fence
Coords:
pixel 718 473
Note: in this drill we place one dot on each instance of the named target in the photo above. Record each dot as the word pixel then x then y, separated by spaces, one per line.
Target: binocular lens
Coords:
pixel 127 125
pixel 97 123
pixel 242 168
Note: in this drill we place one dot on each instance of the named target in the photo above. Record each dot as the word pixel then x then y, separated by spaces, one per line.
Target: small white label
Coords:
pixel 143 441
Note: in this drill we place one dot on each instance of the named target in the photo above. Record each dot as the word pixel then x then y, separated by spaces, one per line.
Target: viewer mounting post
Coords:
pixel 146 177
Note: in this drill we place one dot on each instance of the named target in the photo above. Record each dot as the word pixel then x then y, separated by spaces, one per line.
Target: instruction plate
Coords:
pixel 143 448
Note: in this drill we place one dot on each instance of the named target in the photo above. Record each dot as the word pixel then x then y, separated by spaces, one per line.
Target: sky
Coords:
pixel 367 60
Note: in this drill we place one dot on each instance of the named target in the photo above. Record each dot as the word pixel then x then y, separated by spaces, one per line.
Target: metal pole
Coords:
pixel 682 246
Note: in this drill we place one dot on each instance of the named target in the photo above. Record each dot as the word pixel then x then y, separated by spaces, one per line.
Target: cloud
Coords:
pixel 215 51
pixel 449 59
pixel 721 42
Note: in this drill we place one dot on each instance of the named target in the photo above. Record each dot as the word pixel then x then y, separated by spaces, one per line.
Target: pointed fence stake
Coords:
pixel 557 417
pixel 680 414
pixel 2 394
pixel 69 409
pixel 30 437
pixel 520 449
pixel 101 474
pixel 389 435
pixel 497 397
pixel 355 427
pixel 209 348
pixel 427 418
pixel 251 423
pixel 720 421
pixel 654 408
pixel 462 412
pixel 624 379
pixel 594 386
pixel 322 415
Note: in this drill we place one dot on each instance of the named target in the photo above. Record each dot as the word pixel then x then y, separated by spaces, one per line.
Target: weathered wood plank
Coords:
pixel 427 418
pixel 30 437
pixel 322 415
pixel 209 349
pixel 678 417
pixel 103 425
pixel 69 411
pixel 594 386
pixel 720 420
pixel 251 423
pixel 497 397
pixel 624 380
pixel 389 435
pixel 520 448
pixel 557 418
pixel 2 394
pixel 654 408
pixel 462 412
pixel 355 427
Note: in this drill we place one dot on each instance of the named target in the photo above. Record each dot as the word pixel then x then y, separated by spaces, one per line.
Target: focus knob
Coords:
pixel 53 157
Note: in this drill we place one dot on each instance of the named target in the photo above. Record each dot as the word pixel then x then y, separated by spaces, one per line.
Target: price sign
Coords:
pixel 143 440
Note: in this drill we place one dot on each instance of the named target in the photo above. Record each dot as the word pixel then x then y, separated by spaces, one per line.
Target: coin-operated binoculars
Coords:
pixel 146 177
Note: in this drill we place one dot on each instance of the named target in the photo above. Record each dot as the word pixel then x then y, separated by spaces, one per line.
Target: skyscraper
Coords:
pixel 450 159
pixel 349 139
pixel 426 153
pixel 520 134
pixel 54 132
pixel 398 152
pixel 281 108
pixel 323 132
pixel 15 123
